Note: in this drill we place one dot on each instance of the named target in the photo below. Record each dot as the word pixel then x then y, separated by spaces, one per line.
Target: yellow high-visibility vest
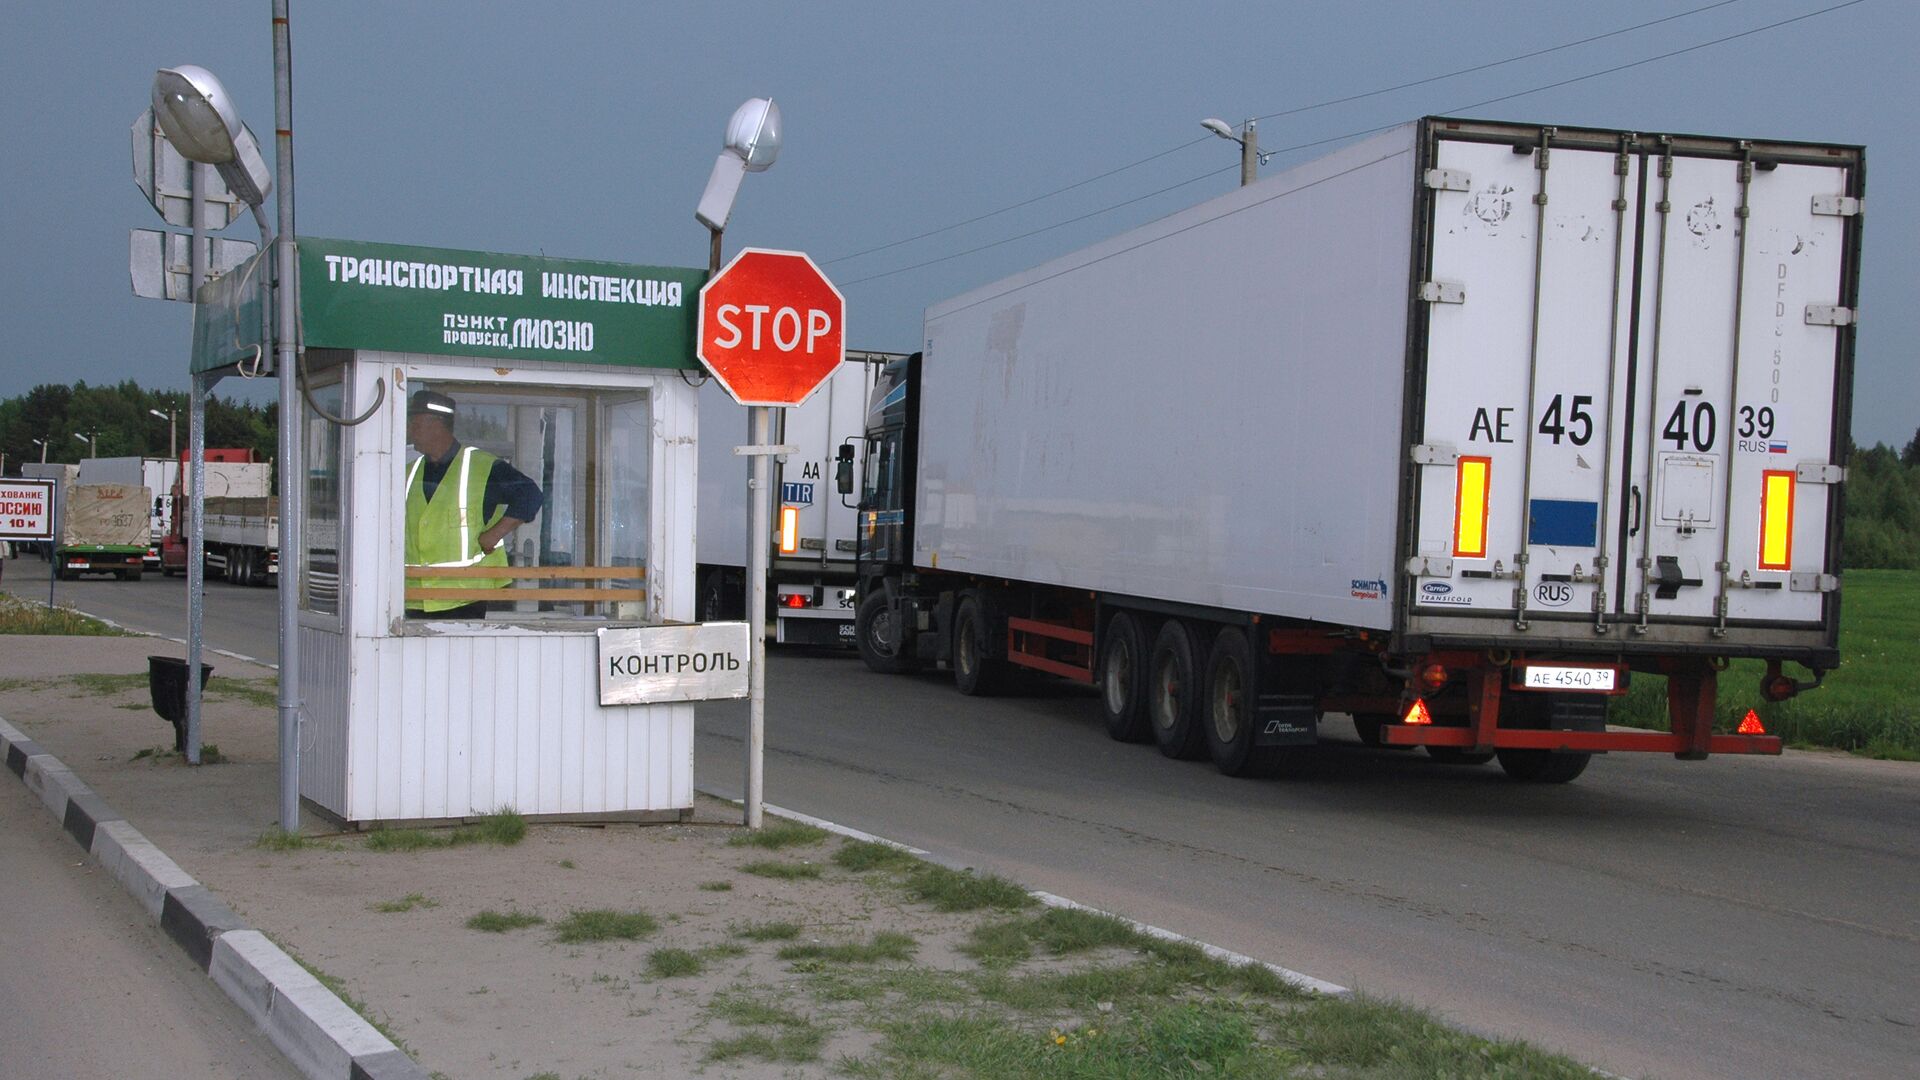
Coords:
pixel 445 530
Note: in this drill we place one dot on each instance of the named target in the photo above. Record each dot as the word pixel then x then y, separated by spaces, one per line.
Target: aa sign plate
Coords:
pixel 647 665
pixel 26 509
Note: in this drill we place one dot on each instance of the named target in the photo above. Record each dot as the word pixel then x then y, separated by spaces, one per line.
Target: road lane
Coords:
pixel 1735 917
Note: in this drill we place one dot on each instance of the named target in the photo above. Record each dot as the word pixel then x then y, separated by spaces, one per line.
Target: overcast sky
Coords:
pixel 587 130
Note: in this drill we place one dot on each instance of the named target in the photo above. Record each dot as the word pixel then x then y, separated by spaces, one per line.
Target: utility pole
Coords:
pixel 1249 154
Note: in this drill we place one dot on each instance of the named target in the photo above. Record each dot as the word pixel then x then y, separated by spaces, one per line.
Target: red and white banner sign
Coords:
pixel 26 509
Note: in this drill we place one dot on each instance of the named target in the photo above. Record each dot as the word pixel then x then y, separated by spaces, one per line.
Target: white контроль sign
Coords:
pixel 644 665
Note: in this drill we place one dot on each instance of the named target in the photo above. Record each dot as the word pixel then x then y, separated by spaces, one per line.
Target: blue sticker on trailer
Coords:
pixel 796 494
pixel 1563 523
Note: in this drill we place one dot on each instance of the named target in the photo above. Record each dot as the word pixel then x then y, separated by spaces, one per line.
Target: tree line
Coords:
pixel 1882 492
pixel 119 421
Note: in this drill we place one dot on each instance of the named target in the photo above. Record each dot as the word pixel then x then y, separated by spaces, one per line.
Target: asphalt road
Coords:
pixel 91 990
pixel 1728 918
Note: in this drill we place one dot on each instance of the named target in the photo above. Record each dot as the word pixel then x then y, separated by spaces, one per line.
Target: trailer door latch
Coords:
pixel 1819 472
pixel 1449 179
pixel 1438 453
pixel 1443 292
pixel 1669 578
pixel 1430 566
pixel 1810 581
pixel 1831 315
pixel 1836 205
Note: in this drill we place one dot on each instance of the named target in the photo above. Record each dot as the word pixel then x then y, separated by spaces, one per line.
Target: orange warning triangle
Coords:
pixel 1417 713
pixel 1751 725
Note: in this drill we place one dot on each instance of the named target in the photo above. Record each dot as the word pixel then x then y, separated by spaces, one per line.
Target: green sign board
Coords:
pixel 394 298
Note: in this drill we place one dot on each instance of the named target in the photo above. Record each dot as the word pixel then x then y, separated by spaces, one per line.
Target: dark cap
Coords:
pixel 431 403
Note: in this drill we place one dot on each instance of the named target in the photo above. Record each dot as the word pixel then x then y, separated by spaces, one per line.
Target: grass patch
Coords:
pixel 279 839
pixel 405 903
pixel 716 886
pixel 886 945
pixel 499 922
pixel 789 1037
pixel 726 950
pixel 603 924
pixel 780 834
pixel 963 890
pixel 93 682
pixel 782 871
pixel 1168 1039
pixel 861 856
pixel 1865 707
pixel 504 827
pixel 1386 1038
pixel 674 963
pixel 767 931
pixel 19 616
pixel 339 990
pixel 566 864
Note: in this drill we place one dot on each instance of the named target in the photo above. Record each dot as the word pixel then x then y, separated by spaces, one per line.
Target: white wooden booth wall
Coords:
pixel 410 722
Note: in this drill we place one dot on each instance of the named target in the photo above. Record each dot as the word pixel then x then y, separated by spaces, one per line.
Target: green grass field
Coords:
pixel 1867 705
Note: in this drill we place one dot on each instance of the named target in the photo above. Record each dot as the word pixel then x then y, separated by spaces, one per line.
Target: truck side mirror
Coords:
pixel 843 469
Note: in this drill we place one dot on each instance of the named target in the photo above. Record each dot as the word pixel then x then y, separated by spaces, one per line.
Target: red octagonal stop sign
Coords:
pixel 771 327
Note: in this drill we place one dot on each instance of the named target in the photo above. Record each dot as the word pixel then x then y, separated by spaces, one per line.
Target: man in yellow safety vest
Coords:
pixel 462 503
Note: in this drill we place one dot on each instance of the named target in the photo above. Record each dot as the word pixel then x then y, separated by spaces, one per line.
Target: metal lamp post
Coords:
pixel 1249 139
pixel 92 439
pixel 753 143
pixel 173 431
pixel 43 449
pixel 200 119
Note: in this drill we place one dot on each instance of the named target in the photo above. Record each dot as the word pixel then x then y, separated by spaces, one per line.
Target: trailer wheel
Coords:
pixel 874 634
pixel 130 575
pixel 974 672
pixel 1228 708
pixel 1174 693
pixel 1123 679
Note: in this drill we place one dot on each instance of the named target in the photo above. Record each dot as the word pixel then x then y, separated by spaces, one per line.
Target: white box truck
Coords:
pixel 810 582
pixel 1453 430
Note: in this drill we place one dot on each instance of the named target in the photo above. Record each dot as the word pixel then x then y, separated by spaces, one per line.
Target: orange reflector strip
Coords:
pixel 1417 713
pixel 1776 520
pixel 1751 725
pixel 1470 507
pixel 789 530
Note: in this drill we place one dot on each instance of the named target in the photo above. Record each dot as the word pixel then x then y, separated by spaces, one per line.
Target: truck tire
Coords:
pixel 1228 706
pixel 1174 693
pixel 1123 679
pixel 975 674
pixel 873 632
pixel 130 575
pixel 1544 766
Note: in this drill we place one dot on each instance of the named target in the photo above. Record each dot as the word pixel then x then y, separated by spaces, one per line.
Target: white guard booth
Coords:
pixel 574 374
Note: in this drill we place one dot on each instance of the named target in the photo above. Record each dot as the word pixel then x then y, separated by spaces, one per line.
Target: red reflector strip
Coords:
pixel 1417 713
pixel 1751 725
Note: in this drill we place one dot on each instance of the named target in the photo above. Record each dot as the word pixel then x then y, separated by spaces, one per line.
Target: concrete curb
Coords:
pixel 319 1033
pixel 1288 975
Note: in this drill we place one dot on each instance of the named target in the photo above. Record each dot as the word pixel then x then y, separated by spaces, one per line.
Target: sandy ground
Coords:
pixel 466 1003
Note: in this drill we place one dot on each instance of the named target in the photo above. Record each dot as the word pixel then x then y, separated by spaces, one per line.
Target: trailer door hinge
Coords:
pixel 1837 205
pixel 1819 472
pixel 1449 179
pixel 1831 315
pixel 1430 566
pixel 1811 581
pixel 1438 453
pixel 1443 292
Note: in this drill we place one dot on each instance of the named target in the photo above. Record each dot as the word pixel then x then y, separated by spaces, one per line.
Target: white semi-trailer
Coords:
pixel 810 583
pixel 1453 430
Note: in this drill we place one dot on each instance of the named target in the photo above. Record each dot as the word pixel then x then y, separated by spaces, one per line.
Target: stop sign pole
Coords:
pixel 771 330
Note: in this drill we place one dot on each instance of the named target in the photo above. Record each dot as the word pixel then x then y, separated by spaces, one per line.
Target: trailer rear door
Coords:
pixel 1629 402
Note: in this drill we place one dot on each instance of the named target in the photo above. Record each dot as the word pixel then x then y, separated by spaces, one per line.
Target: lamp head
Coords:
pixel 196 113
pixel 1220 128
pixel 754 133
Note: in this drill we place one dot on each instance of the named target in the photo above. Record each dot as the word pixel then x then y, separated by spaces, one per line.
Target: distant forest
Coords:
pixel 1883 486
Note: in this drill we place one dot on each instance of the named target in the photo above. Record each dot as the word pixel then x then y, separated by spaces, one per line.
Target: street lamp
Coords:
pixel 1249 139
pixel 43 449
pixel 92 439
pixel 173 431
pixel 200 119
pixel 753 142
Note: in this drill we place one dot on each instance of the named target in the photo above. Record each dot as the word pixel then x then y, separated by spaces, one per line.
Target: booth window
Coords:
pixel 323 450
pixel 572 465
